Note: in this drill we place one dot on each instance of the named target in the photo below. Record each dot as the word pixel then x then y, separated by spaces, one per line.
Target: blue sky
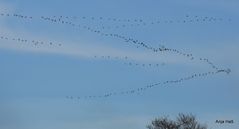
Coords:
pixel 37 79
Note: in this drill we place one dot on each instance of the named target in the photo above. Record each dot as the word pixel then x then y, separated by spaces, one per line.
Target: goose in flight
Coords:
pixel 225 70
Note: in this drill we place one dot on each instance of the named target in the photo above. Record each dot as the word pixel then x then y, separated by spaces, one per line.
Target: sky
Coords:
pixel 61 69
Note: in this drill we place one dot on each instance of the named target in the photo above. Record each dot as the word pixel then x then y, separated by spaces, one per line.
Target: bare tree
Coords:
pixel 182 122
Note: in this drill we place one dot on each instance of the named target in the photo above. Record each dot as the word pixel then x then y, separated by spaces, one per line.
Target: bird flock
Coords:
pixel 31 42
pixel 74 22
pixel 126 39
pixel 147 87
pixel 138 22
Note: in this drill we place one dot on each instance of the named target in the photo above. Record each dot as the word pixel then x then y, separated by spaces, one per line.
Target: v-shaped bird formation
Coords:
pixel 99 29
